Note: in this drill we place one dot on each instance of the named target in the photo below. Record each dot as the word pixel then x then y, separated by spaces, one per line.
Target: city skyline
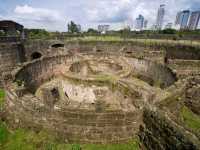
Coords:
pixel 54 15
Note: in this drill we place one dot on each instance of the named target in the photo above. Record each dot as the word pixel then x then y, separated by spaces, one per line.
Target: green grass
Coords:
pixel 147 41
pixel 190 119
pixel 2 95
pixel 21 139
pixel 3 133
pixel 132 145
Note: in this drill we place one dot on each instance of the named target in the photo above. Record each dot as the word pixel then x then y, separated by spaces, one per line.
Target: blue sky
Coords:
pixel 54 14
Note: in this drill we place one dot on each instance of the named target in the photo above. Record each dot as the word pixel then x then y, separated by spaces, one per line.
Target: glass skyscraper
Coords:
pixel 160 17
pixel 140 22
pixel 194 20
pixel 182 19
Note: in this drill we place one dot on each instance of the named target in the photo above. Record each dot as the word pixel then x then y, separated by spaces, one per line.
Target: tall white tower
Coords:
pixel 160 17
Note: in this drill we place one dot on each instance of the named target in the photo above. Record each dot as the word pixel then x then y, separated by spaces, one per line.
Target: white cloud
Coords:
pixel 109 11
pixel 38 14
pixel 39 17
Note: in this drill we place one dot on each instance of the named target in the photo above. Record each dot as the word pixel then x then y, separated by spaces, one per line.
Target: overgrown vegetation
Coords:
pixel 190 119
pixel 38 34
pixel 74 33
pixel 21 139
pixel 2 95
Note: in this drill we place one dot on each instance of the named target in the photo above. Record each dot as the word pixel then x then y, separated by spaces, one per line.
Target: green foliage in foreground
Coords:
pixel 190 119
pixel 21 139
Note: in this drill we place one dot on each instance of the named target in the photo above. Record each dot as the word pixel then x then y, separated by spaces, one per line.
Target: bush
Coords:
pixel 76 147
pixel 169 31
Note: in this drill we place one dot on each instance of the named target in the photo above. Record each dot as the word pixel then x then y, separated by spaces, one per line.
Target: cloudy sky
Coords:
pixel 53 15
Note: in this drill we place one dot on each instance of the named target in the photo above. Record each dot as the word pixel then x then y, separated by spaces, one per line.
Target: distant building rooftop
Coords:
pixel 8 24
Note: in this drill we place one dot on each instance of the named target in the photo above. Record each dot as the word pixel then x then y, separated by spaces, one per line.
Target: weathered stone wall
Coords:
pixel 153 73
pixel 184 68
pixel 11 54
pixel 161 133
pixel 173 51
pixel 192 98
pixel 33 74
pixel 44 47
pixel 72 125
pixel 182 52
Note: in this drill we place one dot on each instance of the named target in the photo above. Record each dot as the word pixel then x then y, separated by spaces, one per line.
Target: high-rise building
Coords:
pixel 184 19
pixel 178 17
pixel 140 22
pixel 160 17
pixel 194 20
pixel 145 24
pixel 103 28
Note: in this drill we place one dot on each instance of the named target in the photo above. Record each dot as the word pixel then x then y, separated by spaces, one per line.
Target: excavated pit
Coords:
pixel 88 98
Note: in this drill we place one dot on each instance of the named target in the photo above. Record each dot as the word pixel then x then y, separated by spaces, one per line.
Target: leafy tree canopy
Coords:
pixel 72 27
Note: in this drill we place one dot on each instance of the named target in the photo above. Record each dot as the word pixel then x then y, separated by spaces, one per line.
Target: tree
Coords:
pixel 168 31
pixel 37 33
pixel 92 31
pixel 72 27
pixel 125 33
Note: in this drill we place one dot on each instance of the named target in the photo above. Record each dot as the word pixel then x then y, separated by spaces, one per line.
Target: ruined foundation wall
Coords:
pixel 35 73
pixel 39 71
pixel 156 73
pixel 185 68
pixel 75 125
pixel 182 52
pixel 162 133
pixel 173 51
pixel 11 54
pixel 44 47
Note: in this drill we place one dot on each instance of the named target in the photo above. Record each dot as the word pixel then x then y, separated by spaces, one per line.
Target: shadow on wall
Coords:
pixel 58 45
pixel 36 55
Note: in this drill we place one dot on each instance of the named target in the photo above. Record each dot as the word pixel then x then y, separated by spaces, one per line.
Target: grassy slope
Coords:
pixel 190 119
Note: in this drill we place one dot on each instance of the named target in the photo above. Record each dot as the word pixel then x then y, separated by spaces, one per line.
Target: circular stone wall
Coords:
pixel 88 99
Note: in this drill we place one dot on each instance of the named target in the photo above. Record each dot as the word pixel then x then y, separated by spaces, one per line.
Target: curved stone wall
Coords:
pixel 73 125
pixel 81 124
pixel 33 74
pixel 153 73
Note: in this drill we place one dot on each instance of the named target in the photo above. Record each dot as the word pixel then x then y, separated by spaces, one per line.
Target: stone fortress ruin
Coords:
pixel 103 92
